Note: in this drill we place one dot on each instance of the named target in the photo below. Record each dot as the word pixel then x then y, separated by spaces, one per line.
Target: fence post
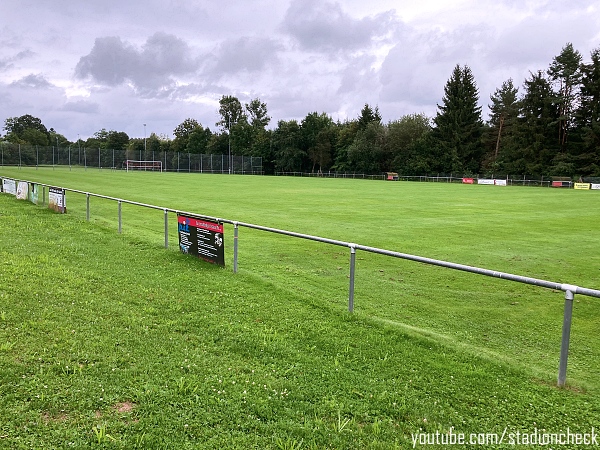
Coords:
pixel 120 222
pixel 235 247
pixel 44 195
pixel 166 228
pixel 87 207
pixel 566 335
pixel 352 269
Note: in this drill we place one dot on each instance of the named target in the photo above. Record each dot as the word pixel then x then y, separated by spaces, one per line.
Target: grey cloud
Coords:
pixel 33 81
pixel 6 63
pixel 113 62
pixel 324 26
pixel 550 5
pixel 536 40
pixel 420 61
pixel 165 54
pixel 110 62
pixel 358 76
pixel 457 46
pixel 251 54
pixel 408 76
pixel 81 106
pixel 23 55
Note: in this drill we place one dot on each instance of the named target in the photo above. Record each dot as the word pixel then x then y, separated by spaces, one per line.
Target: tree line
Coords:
pixel 550 128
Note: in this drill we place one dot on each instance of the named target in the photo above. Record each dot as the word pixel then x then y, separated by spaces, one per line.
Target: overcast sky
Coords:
pixel 85 65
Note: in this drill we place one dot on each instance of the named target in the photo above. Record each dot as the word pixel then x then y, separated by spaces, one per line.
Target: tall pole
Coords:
pixel 229 134
pixel 79 143
pixel 144 141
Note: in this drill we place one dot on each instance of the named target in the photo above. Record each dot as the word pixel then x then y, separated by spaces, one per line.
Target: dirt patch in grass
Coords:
pixel 124 407
pixel 47 417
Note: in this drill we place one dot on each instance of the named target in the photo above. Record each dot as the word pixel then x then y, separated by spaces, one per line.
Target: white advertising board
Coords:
pixel 9 186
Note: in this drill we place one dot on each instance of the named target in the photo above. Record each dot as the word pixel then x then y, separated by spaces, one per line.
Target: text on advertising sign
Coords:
pixel 201 238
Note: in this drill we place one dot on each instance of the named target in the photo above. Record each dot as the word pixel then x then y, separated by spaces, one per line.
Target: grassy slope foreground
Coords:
pixel 545 233
pixel 110 341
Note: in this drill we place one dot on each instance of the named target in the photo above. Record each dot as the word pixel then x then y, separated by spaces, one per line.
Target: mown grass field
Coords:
pixel 112 341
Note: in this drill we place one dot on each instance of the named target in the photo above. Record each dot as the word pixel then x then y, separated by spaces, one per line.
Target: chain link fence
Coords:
pixel 27 155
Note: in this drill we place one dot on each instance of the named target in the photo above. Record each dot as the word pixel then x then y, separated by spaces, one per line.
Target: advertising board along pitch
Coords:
pixel 9 186
pixel 201 238
pixel 582 186
pixel 57 200
pixel 22 190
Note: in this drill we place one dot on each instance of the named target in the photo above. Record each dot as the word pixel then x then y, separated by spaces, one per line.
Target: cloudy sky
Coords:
pixel 85 65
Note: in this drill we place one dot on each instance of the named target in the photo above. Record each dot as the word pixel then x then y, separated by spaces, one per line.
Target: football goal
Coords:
pixel 143 165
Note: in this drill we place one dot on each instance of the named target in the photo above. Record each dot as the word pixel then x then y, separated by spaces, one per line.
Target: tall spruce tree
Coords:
pixel 588 117
pixel 536 129
pixel 458 124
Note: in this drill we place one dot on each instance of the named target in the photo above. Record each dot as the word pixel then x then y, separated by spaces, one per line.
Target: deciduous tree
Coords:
pixel 566 74
pixel 504 111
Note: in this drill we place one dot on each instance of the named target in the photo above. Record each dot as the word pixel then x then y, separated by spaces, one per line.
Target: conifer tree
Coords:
pixel 537 137
pixel 588 117
pixel 458 124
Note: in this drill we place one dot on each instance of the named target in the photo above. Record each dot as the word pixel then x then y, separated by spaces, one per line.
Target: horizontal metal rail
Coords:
pixel 569 289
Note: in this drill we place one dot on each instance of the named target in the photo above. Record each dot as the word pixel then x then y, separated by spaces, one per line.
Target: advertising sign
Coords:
pixel 467 180
pixel 582 186
pixel 9 186
pixel 57 200
pixel 500 182
pixel 484 181
pixel 22 190
pixel 201 238
pixel 595 186
pixel 34 193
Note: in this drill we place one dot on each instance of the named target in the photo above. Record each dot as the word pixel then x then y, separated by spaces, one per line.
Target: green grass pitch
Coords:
pixel 112 341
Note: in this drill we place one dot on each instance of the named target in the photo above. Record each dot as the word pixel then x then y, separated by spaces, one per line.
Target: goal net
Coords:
pixel 143 165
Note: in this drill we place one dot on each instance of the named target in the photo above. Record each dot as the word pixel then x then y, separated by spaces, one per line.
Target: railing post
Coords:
pixel 352 267
pixel 566 335
pixel 87 207
pixel 235 247
pixel 120 222
pixel 44 195
pixel 166 228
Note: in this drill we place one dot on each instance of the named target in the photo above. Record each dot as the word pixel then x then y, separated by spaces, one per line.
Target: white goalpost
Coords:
pixel 131 164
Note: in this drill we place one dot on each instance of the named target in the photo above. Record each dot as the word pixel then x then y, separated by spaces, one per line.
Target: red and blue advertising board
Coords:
pixel 202 238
